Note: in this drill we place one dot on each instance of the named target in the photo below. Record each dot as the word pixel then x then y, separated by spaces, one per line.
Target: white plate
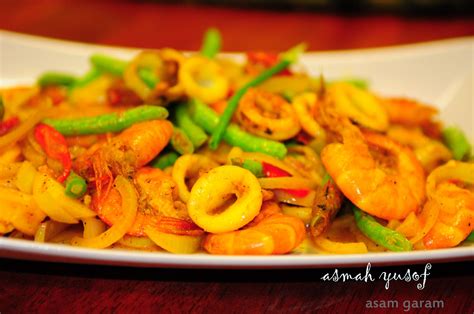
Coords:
pixel 440 73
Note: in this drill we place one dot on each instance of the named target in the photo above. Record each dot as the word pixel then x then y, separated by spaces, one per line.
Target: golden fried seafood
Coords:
pixel 449 192
pixel 358 105
pixel 203 153
pixel 267 115
pixel 157 197
pixel 430 152
pixel 225 199
pixel 187 170
pixel 125 153
pixel 164 66
pixel 368 167
pixel 275 234
pixel 305 106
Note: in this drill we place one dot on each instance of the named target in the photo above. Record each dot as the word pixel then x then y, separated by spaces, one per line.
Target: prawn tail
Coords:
pixel 327 204
pixel 103 177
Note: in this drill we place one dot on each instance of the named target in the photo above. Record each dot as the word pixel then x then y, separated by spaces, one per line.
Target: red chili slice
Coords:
pixel 55 146
pixel 265 59
pixel 271 171
pixel 7 125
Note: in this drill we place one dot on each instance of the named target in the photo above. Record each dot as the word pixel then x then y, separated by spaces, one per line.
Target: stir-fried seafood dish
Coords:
pixel 198 152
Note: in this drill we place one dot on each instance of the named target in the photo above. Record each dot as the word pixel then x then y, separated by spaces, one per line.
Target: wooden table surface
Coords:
pixel 45 287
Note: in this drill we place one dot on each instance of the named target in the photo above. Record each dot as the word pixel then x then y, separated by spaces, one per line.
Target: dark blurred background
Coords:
pixel 402 7
pixel 244 24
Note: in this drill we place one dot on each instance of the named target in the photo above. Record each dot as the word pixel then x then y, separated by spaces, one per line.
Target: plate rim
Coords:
pixel 443 43
pixel 26 249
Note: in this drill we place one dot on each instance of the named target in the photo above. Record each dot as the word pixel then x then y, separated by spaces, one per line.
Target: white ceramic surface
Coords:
pixel 440 73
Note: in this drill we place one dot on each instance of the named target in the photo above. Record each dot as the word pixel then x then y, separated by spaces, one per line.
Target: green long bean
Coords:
pixel 192 130
pixel 470 237
pixel 76 186
pixel 112 122
pixel 253 166
pixel 56 78
pixel 165 160
pixel 288 58
pixel 386 237
pixel 2 108
pixel 180 142
pixel 211 43
pixel 456 142
pixel 90 76
pixel 108 64
pixel 207 119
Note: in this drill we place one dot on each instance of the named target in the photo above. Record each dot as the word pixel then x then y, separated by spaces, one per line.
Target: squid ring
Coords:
pixel 457 170
pixel 204 79
pixel 304 105
pixel 267 115
pixel 209 203
pixel 359 106
pixel 189 166
pixel 165 63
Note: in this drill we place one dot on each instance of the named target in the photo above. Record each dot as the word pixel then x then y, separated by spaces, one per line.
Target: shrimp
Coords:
pixel 157 200
pixel 267 115
pixel 187 169
pixel 408 111
pixel 430 152
pixel 411 113
pixel 380 176
pixel 274 234
pixel 269 208
pixel 454 202
pixel 126 152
